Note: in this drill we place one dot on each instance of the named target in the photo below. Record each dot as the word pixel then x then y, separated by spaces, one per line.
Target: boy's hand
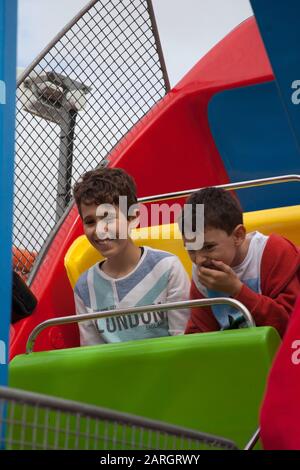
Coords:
pixel 220 277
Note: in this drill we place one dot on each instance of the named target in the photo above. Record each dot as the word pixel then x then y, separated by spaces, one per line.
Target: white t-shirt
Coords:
pixel 159 277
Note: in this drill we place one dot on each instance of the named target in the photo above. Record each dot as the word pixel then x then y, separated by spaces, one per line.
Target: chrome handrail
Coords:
pixel 139 310
pixel 250 445
pixel 229 187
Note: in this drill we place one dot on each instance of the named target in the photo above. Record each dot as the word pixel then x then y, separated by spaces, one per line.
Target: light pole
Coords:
pixel 57 98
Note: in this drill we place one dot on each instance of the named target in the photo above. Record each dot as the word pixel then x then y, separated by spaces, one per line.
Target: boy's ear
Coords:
pixel 239 234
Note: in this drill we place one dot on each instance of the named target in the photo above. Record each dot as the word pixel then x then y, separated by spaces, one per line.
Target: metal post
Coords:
pixel 8 28
pixel 67 129
pixel 278 23
pixel 158 46
pixel 57 98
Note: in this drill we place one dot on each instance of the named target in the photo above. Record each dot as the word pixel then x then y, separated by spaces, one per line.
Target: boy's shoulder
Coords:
pixel 82 281
pixel 154 256
pixel 274 248
pixel 280 263
pixel 159 264
pixel 277 242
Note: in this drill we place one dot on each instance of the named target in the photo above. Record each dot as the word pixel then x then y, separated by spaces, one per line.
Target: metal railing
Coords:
pixel 97 78
pixel 34 421
pixel 253 440
pixel 228 186
pixel 137 310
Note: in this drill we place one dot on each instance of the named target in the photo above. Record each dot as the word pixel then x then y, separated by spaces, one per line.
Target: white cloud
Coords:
pixel 190 28
pixel 38 23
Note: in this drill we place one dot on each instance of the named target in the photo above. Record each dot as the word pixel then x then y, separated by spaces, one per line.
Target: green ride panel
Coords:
pixel 213 382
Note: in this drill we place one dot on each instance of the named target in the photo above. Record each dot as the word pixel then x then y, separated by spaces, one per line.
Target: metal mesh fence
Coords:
pixel 74 104
pixel 34 421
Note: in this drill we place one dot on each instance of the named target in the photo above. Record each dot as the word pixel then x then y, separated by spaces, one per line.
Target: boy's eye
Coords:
pixel 209 247
pixel 107 218
pixel 89 222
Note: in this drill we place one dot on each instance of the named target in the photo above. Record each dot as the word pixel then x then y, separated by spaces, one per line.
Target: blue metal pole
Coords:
pixel 278 22
pixel 8 29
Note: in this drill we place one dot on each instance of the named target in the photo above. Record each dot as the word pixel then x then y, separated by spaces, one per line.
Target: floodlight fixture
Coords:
pixel 57 98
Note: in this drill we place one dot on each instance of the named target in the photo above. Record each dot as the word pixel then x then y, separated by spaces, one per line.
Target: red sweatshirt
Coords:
pixel 280 413
pixel 280 286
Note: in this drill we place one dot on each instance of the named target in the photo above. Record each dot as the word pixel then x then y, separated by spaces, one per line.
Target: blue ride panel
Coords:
pixel 255 140
pixel 278 22
pixel 8 28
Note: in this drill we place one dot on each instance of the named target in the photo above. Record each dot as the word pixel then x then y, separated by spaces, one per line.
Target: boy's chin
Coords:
pixel 103 245
pixel 109 248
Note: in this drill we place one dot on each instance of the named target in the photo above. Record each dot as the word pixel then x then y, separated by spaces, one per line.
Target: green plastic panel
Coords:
pixel 212 382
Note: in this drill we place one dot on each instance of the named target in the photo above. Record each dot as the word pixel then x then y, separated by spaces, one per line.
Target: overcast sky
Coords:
pixel 188 28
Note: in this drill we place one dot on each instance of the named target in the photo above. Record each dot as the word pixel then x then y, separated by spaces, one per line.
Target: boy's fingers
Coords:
pixel 224 267
pixel 208 273
pixel 205 271
pixel 213 271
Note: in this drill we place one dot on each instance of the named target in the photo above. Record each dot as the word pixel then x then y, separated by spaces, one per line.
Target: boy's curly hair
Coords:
pixel 104 185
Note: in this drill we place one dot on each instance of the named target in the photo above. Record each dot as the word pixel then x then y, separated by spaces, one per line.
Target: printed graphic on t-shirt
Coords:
pixel 133 326
pixel 226 315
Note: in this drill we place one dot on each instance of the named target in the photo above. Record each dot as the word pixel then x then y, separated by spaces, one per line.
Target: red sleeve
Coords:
pixel 280 413
pixel 202 319
pixel 269 311
pixel 280 285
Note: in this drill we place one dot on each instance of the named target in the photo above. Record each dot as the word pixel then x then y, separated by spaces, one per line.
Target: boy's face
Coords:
pixel 106 228
pixel 219 246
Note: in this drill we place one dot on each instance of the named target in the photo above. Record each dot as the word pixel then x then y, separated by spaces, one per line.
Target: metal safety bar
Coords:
pixel 251 444
pixel 229 187
pixel 33 420
pixel 137 310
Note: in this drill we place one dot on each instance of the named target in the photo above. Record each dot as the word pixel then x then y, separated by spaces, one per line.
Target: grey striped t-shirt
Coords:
pixel 158 277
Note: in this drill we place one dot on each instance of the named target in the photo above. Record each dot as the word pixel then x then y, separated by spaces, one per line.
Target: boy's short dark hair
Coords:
pixel 221 209
pixel 104 185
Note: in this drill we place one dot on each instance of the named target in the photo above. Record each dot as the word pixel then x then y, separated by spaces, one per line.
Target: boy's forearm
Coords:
pixel 265 310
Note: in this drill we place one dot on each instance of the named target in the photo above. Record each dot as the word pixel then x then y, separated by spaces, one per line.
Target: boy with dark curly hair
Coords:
pixel 130 275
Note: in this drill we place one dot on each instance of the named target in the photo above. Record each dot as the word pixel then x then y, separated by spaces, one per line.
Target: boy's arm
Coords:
pixel 280 285
pixel 268 311
pixel 89 334
pixel 202 319
pixel 178 290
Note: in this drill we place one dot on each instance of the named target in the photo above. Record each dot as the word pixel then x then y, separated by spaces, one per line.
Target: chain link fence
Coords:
pixel 95 81
pixel 34 421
